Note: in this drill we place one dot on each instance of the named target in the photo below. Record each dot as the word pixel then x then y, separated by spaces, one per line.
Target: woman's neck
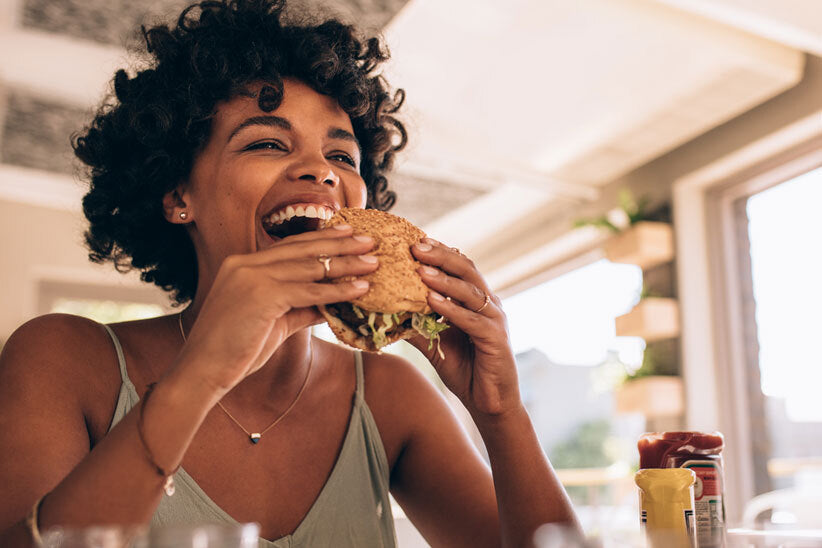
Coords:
pixel 280 379
pixel 277 382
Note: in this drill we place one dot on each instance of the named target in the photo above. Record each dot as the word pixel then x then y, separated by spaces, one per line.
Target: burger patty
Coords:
pixel 345 312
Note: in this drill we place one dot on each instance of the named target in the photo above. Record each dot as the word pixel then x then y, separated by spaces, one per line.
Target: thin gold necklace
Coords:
pixel 255 437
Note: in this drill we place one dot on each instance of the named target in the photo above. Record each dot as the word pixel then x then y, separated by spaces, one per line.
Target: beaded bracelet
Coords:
pixel 168 486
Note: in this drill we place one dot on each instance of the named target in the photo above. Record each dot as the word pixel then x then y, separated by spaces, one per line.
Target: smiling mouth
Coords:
pixel 295 219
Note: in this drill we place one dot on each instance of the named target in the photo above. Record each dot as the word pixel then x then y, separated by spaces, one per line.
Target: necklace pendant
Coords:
pixel 255 437
pixel 168 486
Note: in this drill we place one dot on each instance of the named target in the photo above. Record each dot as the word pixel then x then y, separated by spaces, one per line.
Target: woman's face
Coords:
pixel 265 175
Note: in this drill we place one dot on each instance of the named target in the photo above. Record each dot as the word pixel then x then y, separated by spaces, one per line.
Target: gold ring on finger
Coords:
pixel 484 304
pixel 325 260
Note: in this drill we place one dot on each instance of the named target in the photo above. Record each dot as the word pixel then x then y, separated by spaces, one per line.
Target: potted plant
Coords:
pixel 654 389
pixel 637 239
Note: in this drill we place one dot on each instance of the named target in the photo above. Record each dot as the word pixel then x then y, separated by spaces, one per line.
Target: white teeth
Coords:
pixel 310 211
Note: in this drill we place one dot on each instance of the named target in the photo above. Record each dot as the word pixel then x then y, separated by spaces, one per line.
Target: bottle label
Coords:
pixel 708 508
pixel 690 526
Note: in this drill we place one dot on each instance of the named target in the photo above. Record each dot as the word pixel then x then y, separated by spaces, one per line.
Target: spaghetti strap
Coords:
pixel 360 380
pixel 120 358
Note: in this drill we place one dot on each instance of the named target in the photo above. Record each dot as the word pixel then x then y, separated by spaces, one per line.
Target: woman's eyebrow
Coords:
pixel 339 133
pixel 275 121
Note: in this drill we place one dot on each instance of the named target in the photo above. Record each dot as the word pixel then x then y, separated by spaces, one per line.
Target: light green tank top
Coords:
pixel 352 509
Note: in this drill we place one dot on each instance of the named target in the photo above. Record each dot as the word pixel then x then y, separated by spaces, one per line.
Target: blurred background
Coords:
pixel 640 180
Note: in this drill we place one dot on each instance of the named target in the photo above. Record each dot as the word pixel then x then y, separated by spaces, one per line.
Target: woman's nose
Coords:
pixel 315 172
pixel 328 177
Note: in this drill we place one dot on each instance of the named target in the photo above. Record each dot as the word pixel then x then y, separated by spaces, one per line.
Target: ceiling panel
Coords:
pixel 112 22
pixel 794 23
pixel 117 22
pixel 36 133
pixel 422 201
pixel 541 85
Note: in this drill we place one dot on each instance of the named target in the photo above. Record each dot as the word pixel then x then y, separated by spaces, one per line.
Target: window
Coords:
pixel 104 311
pixel 100 302
pixel 784 232
pixel 722 293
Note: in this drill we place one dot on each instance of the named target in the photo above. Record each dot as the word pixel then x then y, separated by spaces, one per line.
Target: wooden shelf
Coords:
pixel 646 244
pixel 653 397
pixel 653 319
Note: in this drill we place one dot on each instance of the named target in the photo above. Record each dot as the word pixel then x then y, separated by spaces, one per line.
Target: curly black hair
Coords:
pixel 142 145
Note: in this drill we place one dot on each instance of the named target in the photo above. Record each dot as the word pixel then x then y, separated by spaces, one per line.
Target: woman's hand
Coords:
pixel 479 364
pixel 260 299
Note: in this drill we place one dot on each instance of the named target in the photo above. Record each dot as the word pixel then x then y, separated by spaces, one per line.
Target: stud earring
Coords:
pixel 183 215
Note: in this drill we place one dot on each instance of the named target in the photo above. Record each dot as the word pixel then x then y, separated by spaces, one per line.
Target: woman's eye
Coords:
pixel 343 158
pixel 262 145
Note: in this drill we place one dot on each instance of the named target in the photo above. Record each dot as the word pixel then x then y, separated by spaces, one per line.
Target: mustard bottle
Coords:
pixel 666 505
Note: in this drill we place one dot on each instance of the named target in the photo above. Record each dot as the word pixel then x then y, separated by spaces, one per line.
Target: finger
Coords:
pixel 433 253
pixel 301 295
pixel 350 245
pixel 313 268
pixel 469 295
pixel 477 326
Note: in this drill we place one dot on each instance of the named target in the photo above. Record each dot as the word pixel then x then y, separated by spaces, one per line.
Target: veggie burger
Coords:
pixel 395 306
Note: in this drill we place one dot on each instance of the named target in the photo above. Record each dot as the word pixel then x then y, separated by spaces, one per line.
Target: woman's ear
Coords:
pixel 175 208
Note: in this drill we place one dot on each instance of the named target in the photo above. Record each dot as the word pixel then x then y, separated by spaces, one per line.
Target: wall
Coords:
pixel 42 244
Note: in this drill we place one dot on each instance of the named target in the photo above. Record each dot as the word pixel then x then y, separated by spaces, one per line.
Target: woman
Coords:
pixel 238 116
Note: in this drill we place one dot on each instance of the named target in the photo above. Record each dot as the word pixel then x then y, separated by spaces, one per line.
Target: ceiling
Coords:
pixel 515 109
pixel 544 103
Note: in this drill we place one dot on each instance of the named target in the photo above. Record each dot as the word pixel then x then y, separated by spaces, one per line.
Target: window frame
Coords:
pixel 713 268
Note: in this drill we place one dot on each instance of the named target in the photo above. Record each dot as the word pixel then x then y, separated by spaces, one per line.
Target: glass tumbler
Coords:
pixel 95 537
pixel 241 535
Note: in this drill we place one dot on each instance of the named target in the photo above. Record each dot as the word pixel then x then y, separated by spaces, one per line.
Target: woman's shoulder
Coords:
pixel 58 352
pixel 395 375
pixel 382 372
pixel 401 398
pixel 55 337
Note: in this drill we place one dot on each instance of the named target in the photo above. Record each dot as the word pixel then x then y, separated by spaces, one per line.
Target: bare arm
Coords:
pixel 45 443
pixel 444 486
pixel 439 477
pixel 528 491
pixel 478 366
